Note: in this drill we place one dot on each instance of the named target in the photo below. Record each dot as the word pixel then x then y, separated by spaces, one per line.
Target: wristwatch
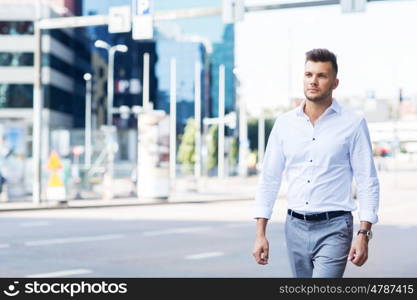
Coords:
pixel 368 233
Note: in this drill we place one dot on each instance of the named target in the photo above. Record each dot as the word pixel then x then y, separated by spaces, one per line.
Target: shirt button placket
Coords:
pixel 307 202
pixel 310 168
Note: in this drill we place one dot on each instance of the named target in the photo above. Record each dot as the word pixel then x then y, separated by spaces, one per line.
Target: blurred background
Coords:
pixel 109 107
pixel 261 53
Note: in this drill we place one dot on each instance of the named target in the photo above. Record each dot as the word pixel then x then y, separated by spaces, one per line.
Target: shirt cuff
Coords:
pixel 368 216
pixel 262 212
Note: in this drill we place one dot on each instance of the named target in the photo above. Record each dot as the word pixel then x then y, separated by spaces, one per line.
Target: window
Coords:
pixel 56 63
pixel 15 59
pixel 16 95
pixel 16 27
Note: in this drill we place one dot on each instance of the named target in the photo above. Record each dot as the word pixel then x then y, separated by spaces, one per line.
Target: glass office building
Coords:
pixel 223 54
pixel 219 39
pixel 62 66
pixel 65 58
pixel 207 40
pixel 186 54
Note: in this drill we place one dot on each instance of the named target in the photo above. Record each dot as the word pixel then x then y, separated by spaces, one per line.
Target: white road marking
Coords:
pixel 3 246
pixel 204 255
pixel 64 273
pixel 34 224
pixel 75 240
pixel 174 231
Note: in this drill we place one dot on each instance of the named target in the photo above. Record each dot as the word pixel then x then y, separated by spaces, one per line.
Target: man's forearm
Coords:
pixel 365 225
pixel 261 227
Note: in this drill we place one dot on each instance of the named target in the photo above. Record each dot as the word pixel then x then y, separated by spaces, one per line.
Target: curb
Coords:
pixel 121 203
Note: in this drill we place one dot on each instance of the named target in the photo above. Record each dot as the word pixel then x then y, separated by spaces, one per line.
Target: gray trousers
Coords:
pixel 319 248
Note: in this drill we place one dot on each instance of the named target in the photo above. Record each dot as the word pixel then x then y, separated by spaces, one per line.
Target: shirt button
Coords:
pixel 306 202
pixel 308 181
pixel 314 139
pixel 311 160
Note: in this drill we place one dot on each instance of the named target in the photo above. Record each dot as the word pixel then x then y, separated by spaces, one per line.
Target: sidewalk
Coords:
pixel 186 190
pixel 398 192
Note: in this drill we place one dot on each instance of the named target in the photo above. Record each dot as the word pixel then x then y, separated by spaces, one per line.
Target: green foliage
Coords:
pixel 212 140
pixel 186 151
pixel 234 151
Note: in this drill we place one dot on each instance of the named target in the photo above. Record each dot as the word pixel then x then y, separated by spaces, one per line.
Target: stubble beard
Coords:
pixel 318 98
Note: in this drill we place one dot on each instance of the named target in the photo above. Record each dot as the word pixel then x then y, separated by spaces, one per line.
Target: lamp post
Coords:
pixel 220 151
pixel 110 74
pixel 87 143
pixel 108 179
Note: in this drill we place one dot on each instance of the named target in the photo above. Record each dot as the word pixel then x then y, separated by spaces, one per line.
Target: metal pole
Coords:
pixel 93 115
pixel 37 116
pixel 197 116
pixel 137 154
pixel 88 83
pixel 145 94
pixel 108 180
pixel 220 164
pixel 110 86
pixel 261 137
pixel 243 138
pixel 173 119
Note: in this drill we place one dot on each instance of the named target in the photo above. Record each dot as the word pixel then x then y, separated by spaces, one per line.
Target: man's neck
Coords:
pixel 315 109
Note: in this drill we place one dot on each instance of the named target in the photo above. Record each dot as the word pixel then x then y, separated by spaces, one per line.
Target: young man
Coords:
pixel 320 145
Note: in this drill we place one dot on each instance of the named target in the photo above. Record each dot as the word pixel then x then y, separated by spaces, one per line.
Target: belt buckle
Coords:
pixel 305 217
pixel 327 215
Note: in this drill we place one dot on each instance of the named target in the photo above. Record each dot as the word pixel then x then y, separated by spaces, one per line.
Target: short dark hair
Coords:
pixel 322 55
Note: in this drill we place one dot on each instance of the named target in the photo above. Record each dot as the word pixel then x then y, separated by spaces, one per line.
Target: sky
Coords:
pixel 376 50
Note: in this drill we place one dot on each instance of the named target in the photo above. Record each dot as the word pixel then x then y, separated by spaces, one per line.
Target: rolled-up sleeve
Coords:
pixel 270 177
pixel 365 174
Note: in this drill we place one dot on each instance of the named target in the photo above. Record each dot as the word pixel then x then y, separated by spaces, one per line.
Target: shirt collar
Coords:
pixel 333 107
pixel 300 108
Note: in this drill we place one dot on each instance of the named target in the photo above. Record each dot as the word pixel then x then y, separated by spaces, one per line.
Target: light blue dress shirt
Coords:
pixel 319 163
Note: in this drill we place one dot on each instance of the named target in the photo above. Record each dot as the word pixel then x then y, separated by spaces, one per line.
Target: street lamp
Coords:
pixel 110 74
pixel 243 127
pixel 87 153
pixel 108 179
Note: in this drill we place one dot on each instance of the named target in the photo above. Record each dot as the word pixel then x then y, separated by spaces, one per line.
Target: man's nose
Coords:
pixel 313 80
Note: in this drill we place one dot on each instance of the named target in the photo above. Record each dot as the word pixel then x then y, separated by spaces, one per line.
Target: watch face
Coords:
pixel 368 233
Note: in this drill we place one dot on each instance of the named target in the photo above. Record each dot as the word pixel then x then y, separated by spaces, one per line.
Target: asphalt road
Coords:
pixel 173 240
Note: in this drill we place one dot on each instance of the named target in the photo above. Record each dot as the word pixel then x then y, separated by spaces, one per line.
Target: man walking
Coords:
pixel 320 146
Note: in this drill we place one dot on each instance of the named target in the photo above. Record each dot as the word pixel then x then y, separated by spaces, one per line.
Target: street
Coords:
pixel 199 239
pixel 133 134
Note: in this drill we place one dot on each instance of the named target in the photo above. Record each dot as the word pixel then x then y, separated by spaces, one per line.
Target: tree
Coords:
pixel 234 151
pixel 186 151
pixel 212 140
pixel 233 155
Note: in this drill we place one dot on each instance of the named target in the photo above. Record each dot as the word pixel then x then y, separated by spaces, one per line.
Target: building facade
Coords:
pixel 65 58
pixel 186 54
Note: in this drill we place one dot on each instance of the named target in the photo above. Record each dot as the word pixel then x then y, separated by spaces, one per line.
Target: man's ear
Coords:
pixel 336 83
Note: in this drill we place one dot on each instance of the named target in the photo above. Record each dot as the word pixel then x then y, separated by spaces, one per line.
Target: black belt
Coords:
pixel 319 216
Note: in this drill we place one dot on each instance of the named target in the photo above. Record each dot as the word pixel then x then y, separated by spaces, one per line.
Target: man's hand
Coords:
pixel 359 251
pixel 261 250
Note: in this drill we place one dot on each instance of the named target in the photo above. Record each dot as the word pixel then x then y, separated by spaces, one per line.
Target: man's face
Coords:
pixel 319 80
